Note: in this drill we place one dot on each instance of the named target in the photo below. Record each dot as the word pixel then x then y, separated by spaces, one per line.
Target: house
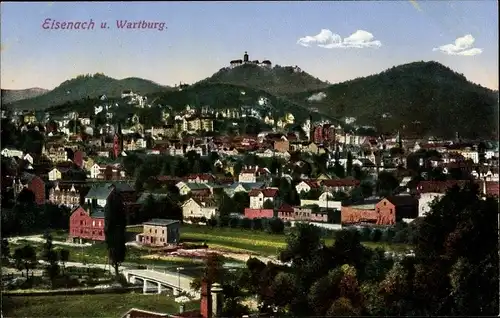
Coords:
pixel 57 154
pixel 195 188
pixel 28 158
pixel 325 200
pixel 396 208
pixel 345 185
pixel 57 173
pixel 360 213
pixel 301 214
pixel 252 174
pixel 32 183
pixel 98 194
pixel 242 187
pixel 86 223
pixel 63 196
pixel 96 171
pixel 201 178
pixel 306 186
pixel 199 208
pixel 9 152
pixel 159 232
pixel 429 191
pixel 258 197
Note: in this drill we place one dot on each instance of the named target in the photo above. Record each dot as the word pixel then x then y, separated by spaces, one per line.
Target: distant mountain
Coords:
pixel 88 86
pixel 277 80
pixel 416 98
pixel 14 95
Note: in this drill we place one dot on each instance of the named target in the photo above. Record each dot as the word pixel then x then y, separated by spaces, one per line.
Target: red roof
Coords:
pixel 285 208
pixel 201 176
pixel 312 183
pixel 348 182
pixel 268 193
pixel 438 186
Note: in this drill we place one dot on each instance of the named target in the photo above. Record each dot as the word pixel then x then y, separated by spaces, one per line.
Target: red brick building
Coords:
pixel 78 158
pixel 85 224
pixel 385 212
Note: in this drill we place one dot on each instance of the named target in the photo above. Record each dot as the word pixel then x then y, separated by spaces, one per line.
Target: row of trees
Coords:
pixel 26 258
pixel 454 270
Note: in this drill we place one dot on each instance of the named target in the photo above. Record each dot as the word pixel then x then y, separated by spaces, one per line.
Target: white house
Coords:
pixel 55 174
pixel 425 200
pixel 197 209
pixel 28 158
pixel 248 176
pixel 9 152
pixel 325 200
pixel 258 197
pixel 306 186
pixel 95 171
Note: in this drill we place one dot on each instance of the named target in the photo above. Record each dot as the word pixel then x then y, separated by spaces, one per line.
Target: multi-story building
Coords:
pixel 159 232
pixel 62 195
pixel 87 223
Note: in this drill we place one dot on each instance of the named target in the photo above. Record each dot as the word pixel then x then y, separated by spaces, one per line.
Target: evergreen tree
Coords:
pixel 349 164
pixel 114 229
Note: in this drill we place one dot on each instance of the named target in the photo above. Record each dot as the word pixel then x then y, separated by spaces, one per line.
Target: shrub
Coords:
pixel 245 223
pixel 257 224
pixel 366 233
pixel 376 235
pixel 276 226
pixel 234 222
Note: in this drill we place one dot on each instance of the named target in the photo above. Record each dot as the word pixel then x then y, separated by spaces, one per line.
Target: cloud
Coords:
pixel 462 46
pixel 329 40
pixel 316 97
pixel 415 4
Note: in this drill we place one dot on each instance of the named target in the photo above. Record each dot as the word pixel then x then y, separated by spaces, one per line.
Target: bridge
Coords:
pixel 176 282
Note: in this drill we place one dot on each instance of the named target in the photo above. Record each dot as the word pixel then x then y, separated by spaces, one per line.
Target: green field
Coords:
pixel 248 241
pixel 102 305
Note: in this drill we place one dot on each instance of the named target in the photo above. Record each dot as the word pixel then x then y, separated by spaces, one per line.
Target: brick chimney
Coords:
pixel 206 300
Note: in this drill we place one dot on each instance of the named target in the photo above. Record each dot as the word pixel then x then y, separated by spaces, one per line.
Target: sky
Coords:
pixel 334 41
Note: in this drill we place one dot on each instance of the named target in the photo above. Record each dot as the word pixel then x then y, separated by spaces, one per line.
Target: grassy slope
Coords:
pixel 103 305
pixel 256 242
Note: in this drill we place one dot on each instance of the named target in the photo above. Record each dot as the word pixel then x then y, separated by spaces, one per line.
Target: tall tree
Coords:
pixel 115 229
pixel 348 169
pixel 51 257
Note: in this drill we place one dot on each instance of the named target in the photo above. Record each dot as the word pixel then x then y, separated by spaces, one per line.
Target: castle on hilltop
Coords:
pixel 246 60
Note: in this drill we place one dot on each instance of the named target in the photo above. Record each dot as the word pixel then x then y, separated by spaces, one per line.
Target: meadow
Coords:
pixel 99 305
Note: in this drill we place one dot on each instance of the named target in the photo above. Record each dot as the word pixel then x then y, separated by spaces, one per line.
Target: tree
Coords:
pixel 348 169
pixel 276 226
pixel 63 257
pixel 268 204
pixel 5 249
pixel 25 258
pixel 386 183
pixel 51 257
pixel 114 229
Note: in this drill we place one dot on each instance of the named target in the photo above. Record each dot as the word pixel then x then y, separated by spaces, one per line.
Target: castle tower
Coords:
pixel 245 57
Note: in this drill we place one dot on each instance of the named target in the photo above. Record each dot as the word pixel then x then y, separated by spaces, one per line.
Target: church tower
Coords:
pixel 245 57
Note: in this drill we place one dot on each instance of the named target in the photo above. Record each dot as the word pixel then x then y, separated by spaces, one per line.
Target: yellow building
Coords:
pixel 29 118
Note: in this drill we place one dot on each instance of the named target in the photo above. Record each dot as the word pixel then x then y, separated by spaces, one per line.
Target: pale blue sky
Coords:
pixel 203 37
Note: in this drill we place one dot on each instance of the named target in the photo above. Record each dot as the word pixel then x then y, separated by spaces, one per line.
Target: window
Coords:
pixel 150 231
pixel 391 211
pixel 162 231
pixel 81 222
pixel 93 223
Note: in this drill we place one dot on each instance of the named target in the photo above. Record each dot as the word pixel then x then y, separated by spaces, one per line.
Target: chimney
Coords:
pixel 217 300
pixel 206 300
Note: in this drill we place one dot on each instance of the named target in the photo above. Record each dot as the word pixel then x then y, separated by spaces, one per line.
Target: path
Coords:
pixel 40 239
